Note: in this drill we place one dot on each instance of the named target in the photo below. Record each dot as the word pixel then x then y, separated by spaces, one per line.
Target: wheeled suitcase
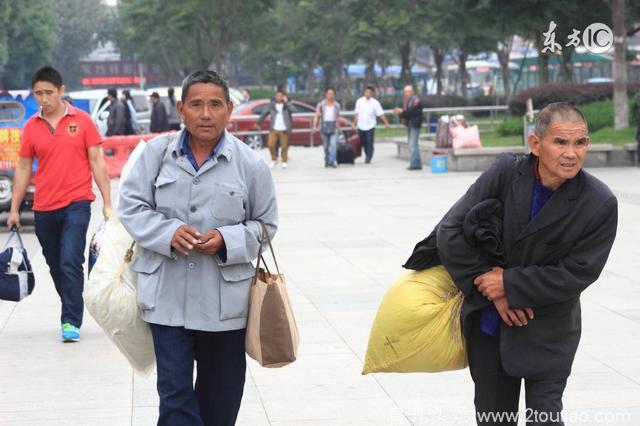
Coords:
pixel 345 154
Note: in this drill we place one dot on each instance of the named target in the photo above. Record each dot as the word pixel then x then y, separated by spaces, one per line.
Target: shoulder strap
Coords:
pixel 129 254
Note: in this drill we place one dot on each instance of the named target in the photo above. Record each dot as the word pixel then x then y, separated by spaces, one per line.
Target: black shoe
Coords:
pixel 414 168
pixel 367 161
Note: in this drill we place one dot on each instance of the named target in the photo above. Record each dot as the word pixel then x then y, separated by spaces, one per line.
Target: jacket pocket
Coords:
pixel 235 282
pixel 165 193
pixel 147 265
pixel 228 204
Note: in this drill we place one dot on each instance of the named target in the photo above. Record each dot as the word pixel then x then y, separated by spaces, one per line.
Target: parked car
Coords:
pixel 244 125
pixel 16 107
pixel 96 103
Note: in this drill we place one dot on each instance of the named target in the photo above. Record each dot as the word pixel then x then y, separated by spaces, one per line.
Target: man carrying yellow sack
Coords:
pixel 523 320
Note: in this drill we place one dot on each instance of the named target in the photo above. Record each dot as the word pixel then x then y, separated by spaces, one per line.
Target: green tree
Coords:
pixel 31 38
pixel 78 23
pixel 187 35
pixel 5 8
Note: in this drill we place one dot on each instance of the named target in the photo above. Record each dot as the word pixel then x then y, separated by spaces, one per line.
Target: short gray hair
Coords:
pixel 204 76
pixel 564 110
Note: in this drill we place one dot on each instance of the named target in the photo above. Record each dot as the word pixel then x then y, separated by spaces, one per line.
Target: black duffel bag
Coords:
pixel 16 275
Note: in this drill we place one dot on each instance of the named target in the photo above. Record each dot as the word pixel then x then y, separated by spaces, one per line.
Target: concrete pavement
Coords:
pixel 343 235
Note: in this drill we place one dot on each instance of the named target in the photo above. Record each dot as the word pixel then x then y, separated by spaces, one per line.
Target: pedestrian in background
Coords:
pixel 172 113
pixel 367 111
pixel 132 119
pixel 65 142
pixel 280 113
pixel 159 121
pixel 193 202
pixel 117 121
pixel 327 115
pixel 411 115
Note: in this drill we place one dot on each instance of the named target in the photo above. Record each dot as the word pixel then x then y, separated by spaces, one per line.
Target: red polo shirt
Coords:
pixel 63 175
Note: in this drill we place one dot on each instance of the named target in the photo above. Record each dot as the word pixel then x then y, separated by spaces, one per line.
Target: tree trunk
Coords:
pixel 503 51
pixel 566 69
pixel 543 60
pixel 405 57
pixel 462 71
pixel 370 78
pixel 438 57
pixel 620 106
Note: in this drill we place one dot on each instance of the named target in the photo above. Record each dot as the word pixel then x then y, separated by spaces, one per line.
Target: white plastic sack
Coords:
pixel 110 293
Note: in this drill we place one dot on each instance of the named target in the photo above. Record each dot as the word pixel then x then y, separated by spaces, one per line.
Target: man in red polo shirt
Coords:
pixel 66 144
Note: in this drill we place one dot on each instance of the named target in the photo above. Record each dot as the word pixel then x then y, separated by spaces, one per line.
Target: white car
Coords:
pixel 99 104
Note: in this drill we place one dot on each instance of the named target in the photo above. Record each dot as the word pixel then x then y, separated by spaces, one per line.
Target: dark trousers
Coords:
pixel 366 137
pixel 221 367
pixel 497 394
pixel 62 234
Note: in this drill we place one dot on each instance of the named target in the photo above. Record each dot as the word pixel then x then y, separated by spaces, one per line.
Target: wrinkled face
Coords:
pixel 205 111
pixel 561 152
pixel 48 96
pixel 331 95
pixel 279 97
pixel 368 93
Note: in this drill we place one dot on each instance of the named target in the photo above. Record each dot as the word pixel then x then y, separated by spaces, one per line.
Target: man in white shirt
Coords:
pixel 279 111
pixel 367 111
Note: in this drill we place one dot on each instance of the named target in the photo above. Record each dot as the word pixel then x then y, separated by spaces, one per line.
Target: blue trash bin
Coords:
pixel 439 163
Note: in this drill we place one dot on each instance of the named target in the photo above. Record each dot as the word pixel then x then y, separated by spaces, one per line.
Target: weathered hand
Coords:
pixel 491 283
pixel 185 239
pixel 518 317
pixel 210 243
pixel 14 219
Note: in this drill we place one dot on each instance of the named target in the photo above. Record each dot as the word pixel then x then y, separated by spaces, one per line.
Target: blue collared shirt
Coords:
pixel 185 149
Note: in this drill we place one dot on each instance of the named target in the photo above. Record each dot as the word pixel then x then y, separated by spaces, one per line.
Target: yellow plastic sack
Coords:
pixel 417 327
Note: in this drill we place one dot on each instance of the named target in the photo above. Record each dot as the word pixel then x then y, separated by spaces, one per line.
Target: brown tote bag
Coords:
pixel 272 334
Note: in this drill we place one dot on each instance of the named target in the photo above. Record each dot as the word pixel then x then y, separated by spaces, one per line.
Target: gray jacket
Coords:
pixel 229 193
pixel 336 118
pixel 287 110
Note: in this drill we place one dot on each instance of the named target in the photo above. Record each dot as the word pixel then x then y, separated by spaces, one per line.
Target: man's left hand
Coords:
pixel 491 283
pixel 210 242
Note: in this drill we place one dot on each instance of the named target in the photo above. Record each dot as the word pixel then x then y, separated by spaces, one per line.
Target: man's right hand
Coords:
pixel 518 317
pixel 185 239
pixel 14 219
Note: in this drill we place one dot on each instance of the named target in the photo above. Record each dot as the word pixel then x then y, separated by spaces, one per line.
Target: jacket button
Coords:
pixel 196 181
pixel 192 265
pixel 193 209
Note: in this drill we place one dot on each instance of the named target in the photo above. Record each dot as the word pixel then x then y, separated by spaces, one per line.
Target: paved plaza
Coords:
pixel 343 237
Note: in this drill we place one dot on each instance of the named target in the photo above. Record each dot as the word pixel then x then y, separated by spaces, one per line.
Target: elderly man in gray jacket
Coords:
pixel 193 202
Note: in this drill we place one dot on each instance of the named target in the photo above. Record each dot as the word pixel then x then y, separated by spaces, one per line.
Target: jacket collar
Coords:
pixel 558 206
pixel 175 146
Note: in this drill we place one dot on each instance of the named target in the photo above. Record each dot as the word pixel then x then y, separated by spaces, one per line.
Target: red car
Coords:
pixel 243 125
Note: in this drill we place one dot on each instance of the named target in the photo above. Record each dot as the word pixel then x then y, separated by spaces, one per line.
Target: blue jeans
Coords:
pixel 62 234
pixel 221 365
pixel 366 137
pixel 414 151
pixel 330 144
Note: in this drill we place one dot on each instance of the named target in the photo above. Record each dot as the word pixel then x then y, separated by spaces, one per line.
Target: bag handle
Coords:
pixel 265 234
pixel 14 233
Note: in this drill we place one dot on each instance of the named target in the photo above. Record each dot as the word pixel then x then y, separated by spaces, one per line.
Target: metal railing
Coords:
pixel 484 123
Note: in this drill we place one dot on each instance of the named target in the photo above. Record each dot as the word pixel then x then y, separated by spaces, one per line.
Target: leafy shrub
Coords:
pixel 511 126
pixel 598 114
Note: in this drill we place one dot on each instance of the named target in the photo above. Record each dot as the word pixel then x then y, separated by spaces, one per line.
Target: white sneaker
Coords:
pixel 272 164
pixel 284 165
